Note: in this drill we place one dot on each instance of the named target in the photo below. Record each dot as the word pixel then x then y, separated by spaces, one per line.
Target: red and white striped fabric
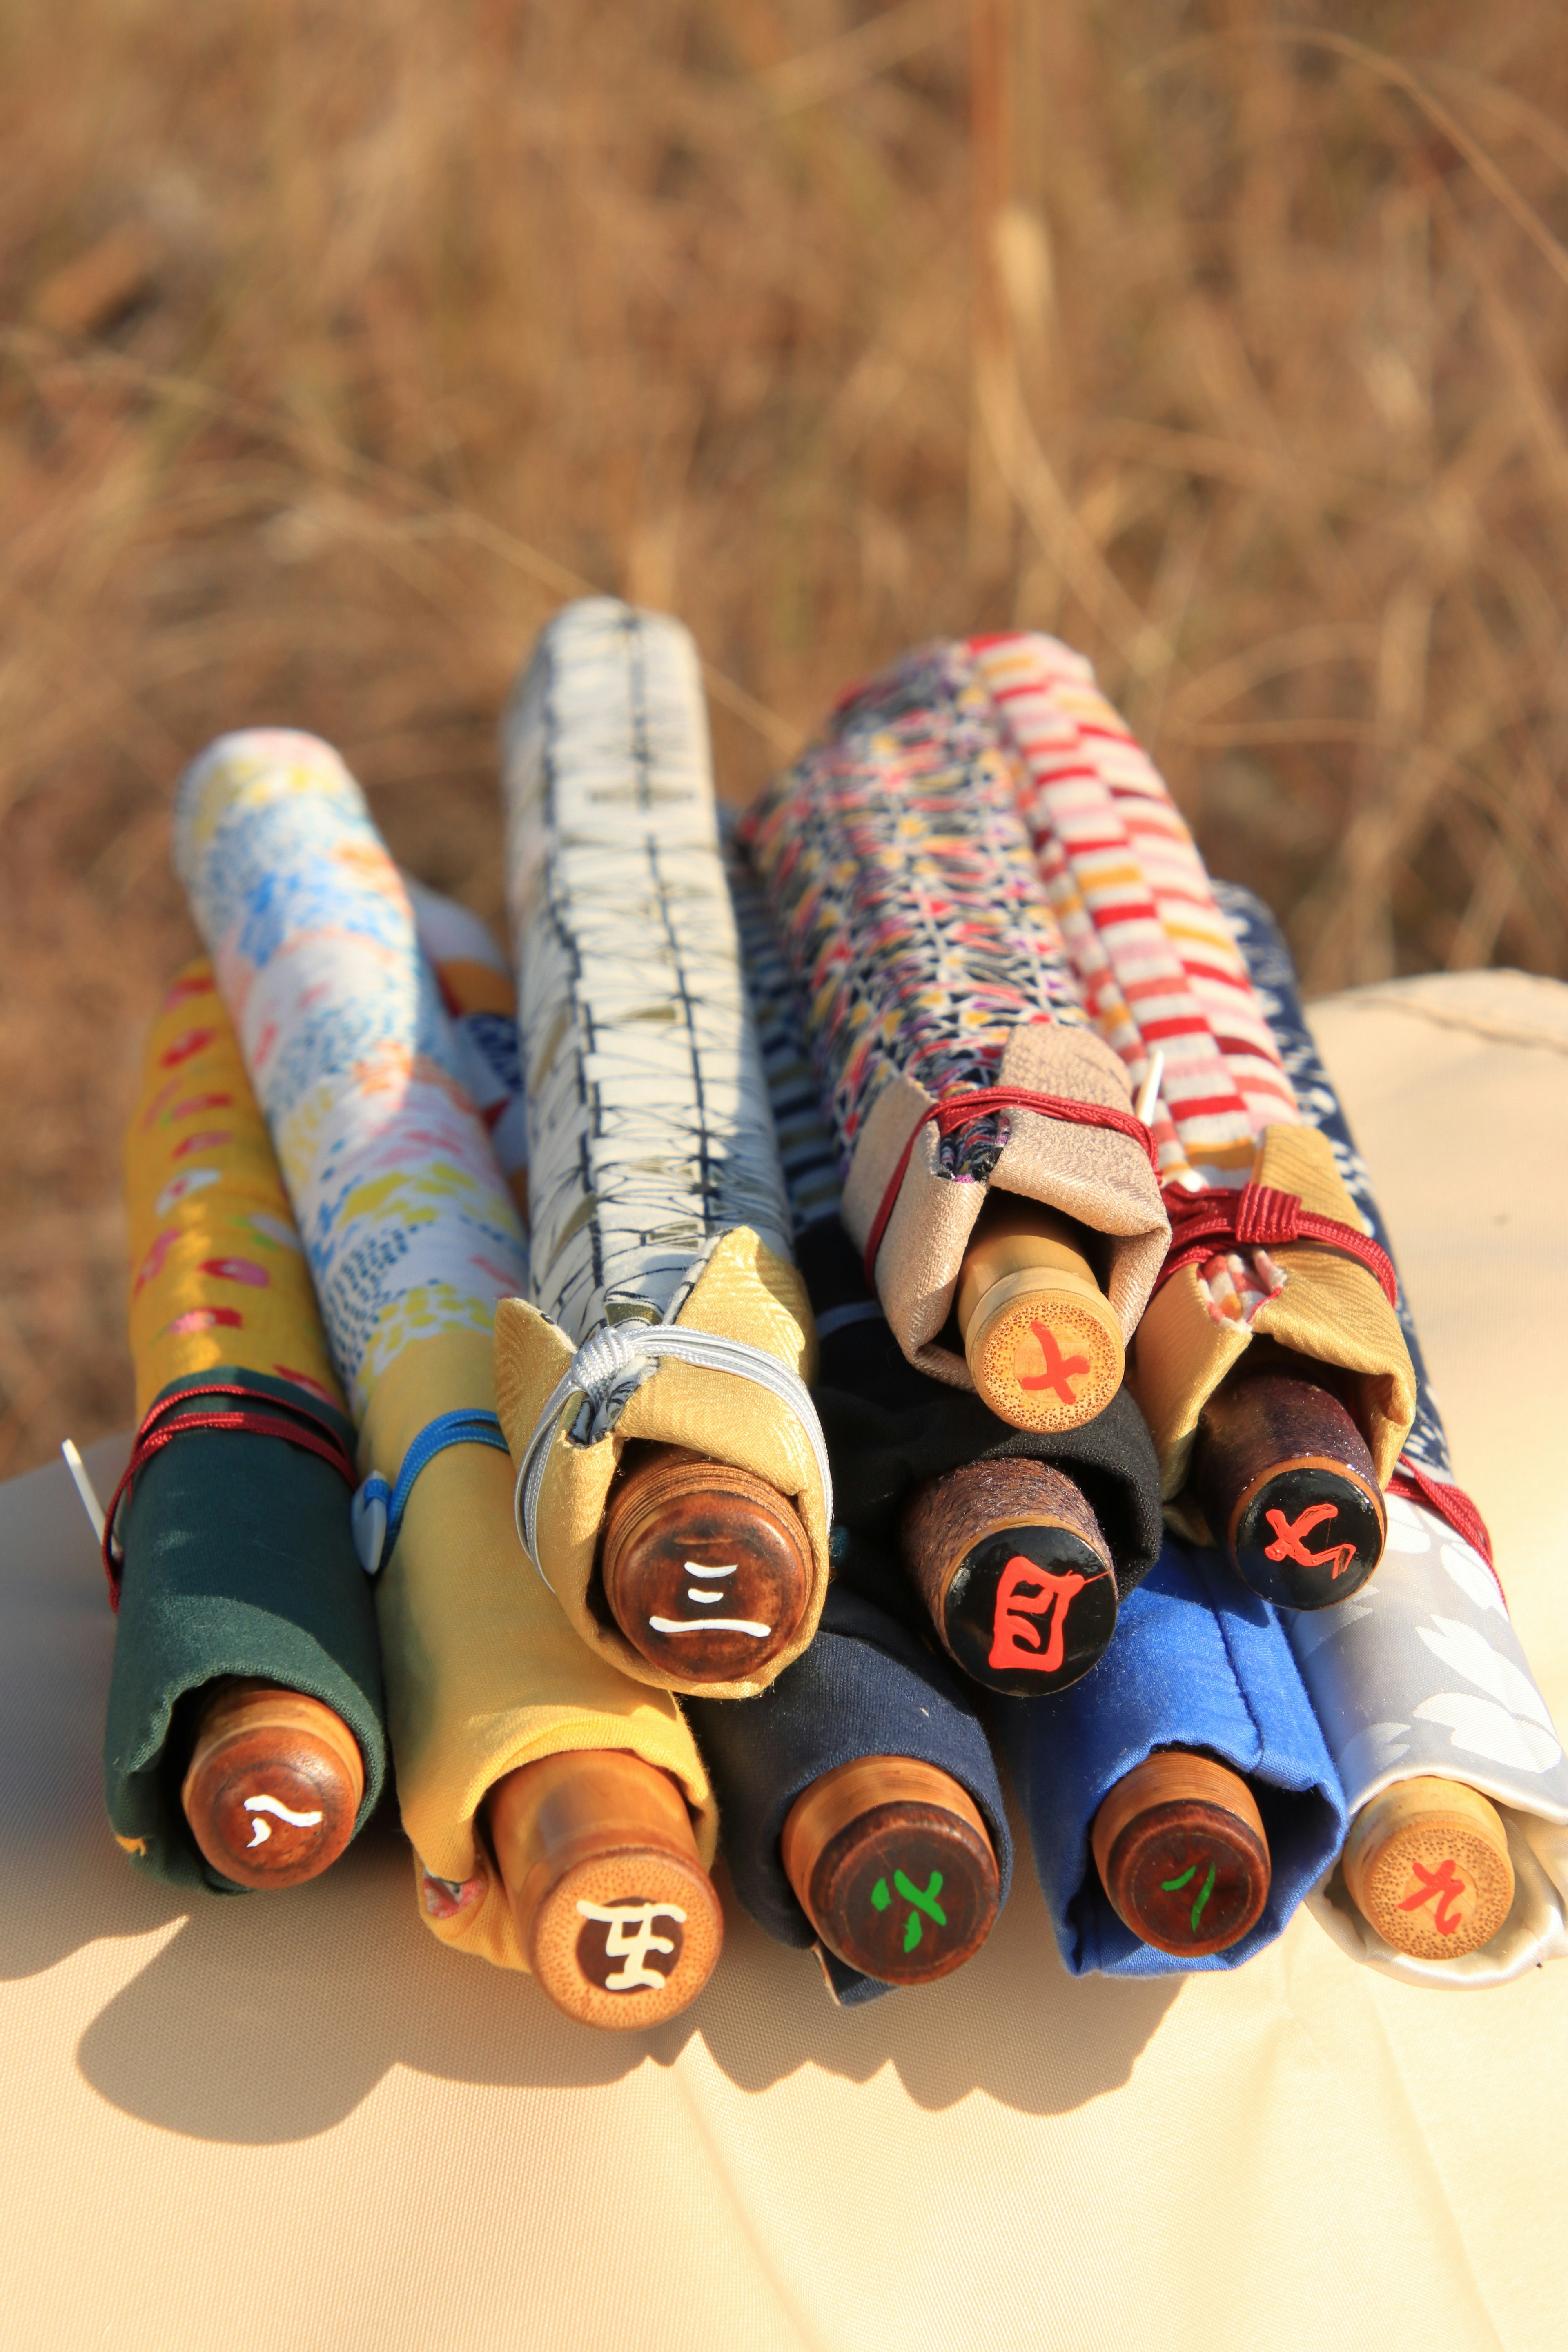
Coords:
pixel 1158 966
pixel 1156 958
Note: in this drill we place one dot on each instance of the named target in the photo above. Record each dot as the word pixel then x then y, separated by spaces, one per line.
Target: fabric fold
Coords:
pixel 412 1237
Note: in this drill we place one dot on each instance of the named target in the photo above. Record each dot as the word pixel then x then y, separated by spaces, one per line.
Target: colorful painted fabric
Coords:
pixel 867 1686
pixel 236 1557
pixel 1198 1661
pixel 1421 1672
pixel 921 945
pixel 657 1196
pixel 481 997
pixel 413 1237
pixel 889 1426
pixel 1161 973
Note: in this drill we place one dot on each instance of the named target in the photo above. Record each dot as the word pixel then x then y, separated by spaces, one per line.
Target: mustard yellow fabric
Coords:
pixel 744 1292
pixel 1331 1308
pixel 484 1671
pixel 218 1270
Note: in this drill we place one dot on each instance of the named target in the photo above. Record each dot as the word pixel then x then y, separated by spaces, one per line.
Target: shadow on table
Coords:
pixel 270 2018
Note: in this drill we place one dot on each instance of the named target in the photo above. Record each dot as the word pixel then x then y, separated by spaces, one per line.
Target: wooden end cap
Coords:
pixel 617 1918
pixel 1427 1866
pixel 891 1863
pixel 1009 1558
pixel 1290 1490
pixel 1041 1339
pixel 273 1785
pixel 1181 1851
pixel 706 1570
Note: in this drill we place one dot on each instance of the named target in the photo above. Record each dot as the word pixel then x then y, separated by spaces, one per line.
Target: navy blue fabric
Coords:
pixel 1198 1661
pixel 867 1686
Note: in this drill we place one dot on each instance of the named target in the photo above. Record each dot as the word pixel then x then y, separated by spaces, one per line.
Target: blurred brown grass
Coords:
pixel 337 346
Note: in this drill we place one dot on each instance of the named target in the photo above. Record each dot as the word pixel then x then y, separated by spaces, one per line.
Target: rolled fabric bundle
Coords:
pixel 1278 1450
pixel 246 1739
pixel 896 1434
pixel 993 1168
pixel 1423 1691
pixel 654 1394
pixel 412 1237
pixel 1135 1772
pixel 862 1811
pixel 480 995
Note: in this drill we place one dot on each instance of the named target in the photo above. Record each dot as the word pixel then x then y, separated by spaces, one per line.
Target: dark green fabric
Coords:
pixel 238 1561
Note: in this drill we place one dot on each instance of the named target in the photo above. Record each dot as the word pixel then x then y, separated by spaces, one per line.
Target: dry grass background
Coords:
pixel 337 346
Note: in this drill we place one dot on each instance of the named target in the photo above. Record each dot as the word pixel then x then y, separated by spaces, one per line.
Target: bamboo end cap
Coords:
pixel 273 1786
pixel 1045 1352
pixel 1182 1854
pixel 1029 1610
pixel 626 1940
pixel 891 1863
pixel 1427 1866
pixel 1309 1534
pixel 706 1568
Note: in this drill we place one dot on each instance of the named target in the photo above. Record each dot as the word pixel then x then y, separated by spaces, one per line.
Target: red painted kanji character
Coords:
pixel 1059 1369
pixel 1016 1606
pixel 1446 1884
pixel 1291 1540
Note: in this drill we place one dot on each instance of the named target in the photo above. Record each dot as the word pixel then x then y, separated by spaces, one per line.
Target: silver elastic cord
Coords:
pixel 607 1370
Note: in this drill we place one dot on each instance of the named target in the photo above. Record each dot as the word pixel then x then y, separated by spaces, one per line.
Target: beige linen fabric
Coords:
pixel 298 2122
pixel 1093 1173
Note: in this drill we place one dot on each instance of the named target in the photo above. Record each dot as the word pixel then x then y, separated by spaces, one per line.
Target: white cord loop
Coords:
pixel 609 1368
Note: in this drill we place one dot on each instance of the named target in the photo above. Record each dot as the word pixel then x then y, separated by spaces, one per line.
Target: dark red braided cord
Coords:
pixel 1260 1215
pixel 158 1430
pixel 1450 1503
pixel 954 1109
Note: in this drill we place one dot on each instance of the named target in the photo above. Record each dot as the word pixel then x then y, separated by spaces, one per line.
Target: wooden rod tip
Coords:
pixel 618 1919
pixel 1181 1851
pixel 1290 1490
pixel 1045 1351
pixel 1011 1563
pixel 273 1786
pixel 706 1568
pixel 1428 1866
pixel 891 1863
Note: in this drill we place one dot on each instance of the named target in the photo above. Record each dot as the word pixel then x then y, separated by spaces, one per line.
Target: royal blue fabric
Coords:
pixel 867 1686
pixel 1198 1661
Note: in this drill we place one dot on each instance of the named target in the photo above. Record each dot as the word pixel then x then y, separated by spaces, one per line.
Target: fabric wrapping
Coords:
pixel 1200 1663
pixel 1159 972
pixel 1425 1674
pixel 925 955
pixel 656 1193
pixel 481 996
pixel 867 1686
pixel 412 1237
pixel 236 1553
pixel 891 1426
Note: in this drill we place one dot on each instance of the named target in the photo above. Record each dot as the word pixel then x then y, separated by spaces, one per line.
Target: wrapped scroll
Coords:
pixel 413 1237
pixel 995 1176
pixel 1270 1365
pixel 1426 1696
pixel 480 995
pixel 673 1486
pixel 1016 1544
pixel 246 1739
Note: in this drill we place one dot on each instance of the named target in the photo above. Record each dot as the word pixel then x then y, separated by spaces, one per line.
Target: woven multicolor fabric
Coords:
pixel 1422 1674
pixel 413 1239
pixel 1157 965
pixel 655 1192
pixel 408 1228
pixel 923 949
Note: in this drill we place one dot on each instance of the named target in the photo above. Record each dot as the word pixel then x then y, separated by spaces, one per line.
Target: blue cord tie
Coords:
pixel 376 1515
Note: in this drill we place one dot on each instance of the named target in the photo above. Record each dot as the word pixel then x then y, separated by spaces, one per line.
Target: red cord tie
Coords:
pixel 308 1430
pixel 1260 1215
pixel 1450 1503
pixel 957 1109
